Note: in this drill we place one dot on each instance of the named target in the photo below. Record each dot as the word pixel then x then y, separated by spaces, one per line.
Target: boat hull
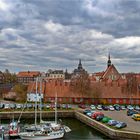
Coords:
pixel 41 137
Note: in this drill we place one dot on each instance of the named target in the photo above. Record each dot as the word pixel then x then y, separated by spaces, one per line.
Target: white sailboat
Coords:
pixel 14 129
pixel 54 123
pixel 44 131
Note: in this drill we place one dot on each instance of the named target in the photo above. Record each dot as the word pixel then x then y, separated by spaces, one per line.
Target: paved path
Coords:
pixel 122 116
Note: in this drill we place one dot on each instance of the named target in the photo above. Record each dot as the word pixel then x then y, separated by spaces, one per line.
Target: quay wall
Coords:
pixel 31 114
pixel 112 133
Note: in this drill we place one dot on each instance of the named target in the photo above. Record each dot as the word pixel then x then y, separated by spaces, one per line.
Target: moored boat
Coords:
pixel 14 129
pixel 43 131
pixel 42 135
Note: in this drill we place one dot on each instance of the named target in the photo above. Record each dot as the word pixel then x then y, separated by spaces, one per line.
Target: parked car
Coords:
pixel 112 122
pixel 99 107
pixel 94 115
pixel 111 108
pixel 99 117
pixel 86 111
pixel 104 107
pixel 40 106
pixel 123 107
pixel 106 119
pixel 63 106
pixel 69 106
pixel 93 107
pixel 12 106
pixel 90 113
pixel 137 108
pixel 52 106
pixel 136 117
pixel 121 125
pixel 24 106
pixel 19 106
pixel 48 106
pixel 29 105
pixel 130 107
pixel 131 112
pixel 117 107
pixel 1 105
pixel 82 106
pixel 6 106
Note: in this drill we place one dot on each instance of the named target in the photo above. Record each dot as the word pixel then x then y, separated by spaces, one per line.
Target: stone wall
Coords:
pixel 112 133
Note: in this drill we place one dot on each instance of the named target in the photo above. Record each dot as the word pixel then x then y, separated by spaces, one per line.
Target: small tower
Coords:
pixel 109 61
pixel 80 65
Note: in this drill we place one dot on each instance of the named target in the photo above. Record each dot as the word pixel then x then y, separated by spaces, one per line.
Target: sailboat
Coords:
pixel 44 131
pixel 14 129
pixel 53 123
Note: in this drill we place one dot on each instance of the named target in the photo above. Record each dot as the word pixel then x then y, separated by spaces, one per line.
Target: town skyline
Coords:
pixel 43 34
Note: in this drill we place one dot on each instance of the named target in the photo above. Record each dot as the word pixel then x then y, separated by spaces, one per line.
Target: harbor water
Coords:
pixel 80 131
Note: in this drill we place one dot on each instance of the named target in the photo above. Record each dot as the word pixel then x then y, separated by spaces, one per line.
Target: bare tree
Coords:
pixel 21 92
pixel 132 84
pixel 82 84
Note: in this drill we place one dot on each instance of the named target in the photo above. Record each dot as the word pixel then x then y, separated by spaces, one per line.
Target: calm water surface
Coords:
pixel 80 131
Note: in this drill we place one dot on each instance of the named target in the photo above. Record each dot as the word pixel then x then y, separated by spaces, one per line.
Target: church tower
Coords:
pixel 80 65
pixel 109 61
pixel 80 70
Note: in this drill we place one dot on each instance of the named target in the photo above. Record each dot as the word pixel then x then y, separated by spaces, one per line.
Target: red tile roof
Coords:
pixel 99 73
pixel 28 74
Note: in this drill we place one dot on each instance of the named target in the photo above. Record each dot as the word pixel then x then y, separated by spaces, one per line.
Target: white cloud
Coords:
pixel 99 7
pixel 3 5
pixel 129 41
pixel 53 27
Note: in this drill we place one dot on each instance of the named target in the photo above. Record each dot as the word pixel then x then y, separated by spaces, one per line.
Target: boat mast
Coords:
pixel 56 107
pixel 36 103
pixel 40 99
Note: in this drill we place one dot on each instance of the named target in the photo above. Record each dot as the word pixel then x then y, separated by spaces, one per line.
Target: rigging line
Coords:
pixel 24 105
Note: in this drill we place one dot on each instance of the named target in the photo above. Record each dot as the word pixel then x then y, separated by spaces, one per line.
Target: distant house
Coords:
pixel 55 74
pixel 2 78
pixel 27 76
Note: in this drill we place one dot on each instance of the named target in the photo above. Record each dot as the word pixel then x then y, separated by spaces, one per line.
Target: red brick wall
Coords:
pixel 109 92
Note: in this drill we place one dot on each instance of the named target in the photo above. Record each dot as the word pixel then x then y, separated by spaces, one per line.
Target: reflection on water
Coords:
pixel 80 131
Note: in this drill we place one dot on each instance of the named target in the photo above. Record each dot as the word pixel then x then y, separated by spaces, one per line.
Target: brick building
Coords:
pixel 27 76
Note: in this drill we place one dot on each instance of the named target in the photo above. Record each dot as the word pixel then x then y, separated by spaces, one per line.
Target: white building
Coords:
pixel 32 97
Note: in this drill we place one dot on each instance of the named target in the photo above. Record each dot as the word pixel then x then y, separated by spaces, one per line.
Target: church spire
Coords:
pixel 80 64
pixel 109 61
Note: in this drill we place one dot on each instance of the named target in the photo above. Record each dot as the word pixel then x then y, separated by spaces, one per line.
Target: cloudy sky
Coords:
pixel 44 34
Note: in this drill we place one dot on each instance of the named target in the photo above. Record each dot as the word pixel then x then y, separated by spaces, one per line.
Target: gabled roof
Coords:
pixel 108 70
pixel 28 74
